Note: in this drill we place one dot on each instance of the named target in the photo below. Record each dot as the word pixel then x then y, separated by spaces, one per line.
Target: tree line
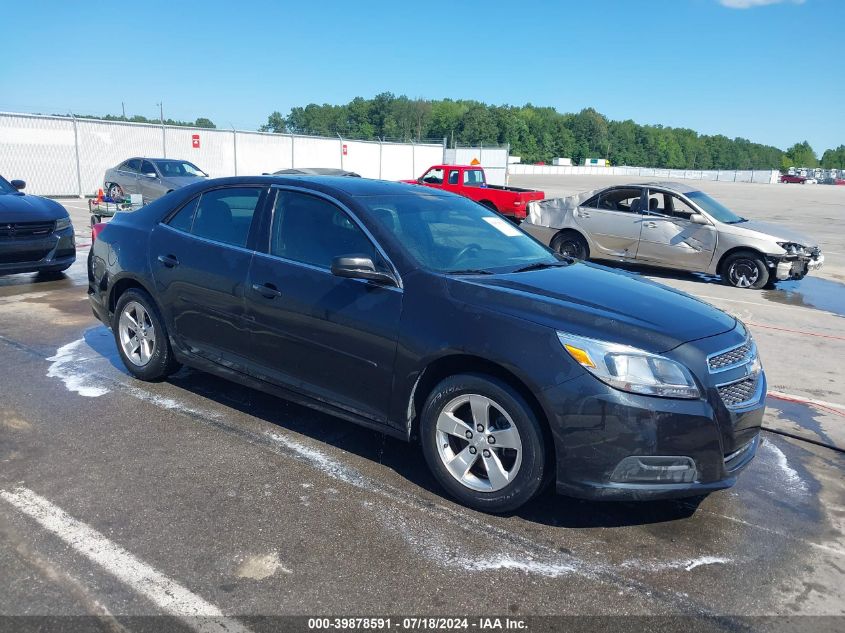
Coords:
pixel 202 122
pixel 539 134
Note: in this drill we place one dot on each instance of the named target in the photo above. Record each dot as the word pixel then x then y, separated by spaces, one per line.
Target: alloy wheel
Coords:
pixel 137 334
pixel 478 443
pixel 743 273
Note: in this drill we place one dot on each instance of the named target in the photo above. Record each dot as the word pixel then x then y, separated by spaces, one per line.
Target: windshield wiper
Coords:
pixel 738 221
pixel 540 265
pixel 469 271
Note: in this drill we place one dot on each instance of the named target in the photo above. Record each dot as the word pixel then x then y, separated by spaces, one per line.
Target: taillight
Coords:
pixel 96 229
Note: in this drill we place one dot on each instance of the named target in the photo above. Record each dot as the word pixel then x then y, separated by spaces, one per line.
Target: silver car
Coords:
pixel 672 225
pixel 151 177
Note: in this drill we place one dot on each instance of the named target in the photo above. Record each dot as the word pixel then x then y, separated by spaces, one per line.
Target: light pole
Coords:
pixel 160 105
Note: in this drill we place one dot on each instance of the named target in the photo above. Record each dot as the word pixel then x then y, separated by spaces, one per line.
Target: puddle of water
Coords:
pixel 810 292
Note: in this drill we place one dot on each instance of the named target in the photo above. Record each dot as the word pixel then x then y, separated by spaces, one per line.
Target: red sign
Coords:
pixel 344 149
pixel 195 141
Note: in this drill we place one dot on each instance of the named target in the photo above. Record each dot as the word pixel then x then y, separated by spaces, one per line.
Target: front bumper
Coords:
pixel 600 433
pixel 54 252
pixel 796 266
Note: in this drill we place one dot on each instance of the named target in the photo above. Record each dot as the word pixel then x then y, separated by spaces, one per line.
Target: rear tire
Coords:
pixel 745 269
pixel 571 244
pixel 461 416
pixel 115 192
pixel 141 337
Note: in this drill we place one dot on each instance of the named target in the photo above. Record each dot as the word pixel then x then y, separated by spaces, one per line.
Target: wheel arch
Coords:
pixel 450 365
pixel 489 204
pixel 121 285
pixel 739 249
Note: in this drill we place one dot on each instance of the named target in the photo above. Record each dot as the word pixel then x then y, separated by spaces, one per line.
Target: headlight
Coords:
pixel 631 369
pixel 62 223
pixel 792 248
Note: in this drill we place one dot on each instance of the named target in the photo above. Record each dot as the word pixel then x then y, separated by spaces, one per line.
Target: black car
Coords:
pixel 36 234
pixel 431 318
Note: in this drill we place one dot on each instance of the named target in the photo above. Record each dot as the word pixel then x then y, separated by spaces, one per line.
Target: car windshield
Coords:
pixel 715 209
pixel 5 187
pixel 178 169
pixel 450 234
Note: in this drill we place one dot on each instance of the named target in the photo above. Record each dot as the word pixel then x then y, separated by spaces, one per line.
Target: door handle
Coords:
pixel 169 261
pixel 584 214
pixel 268 291
pixel 651 225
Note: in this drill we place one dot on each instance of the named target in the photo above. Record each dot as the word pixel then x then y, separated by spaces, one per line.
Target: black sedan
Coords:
pixel 36 234
pixel 428 317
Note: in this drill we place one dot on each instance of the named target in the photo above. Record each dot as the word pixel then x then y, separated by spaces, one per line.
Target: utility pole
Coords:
pixel 160 105
pixel 123 108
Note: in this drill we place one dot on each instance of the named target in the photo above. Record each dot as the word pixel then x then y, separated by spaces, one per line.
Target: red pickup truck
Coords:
pixel 469 181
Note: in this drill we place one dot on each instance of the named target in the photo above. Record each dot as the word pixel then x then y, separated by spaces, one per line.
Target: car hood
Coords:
pixel 21 208
pixel 182 181
pixel 597 302
pixel 765 230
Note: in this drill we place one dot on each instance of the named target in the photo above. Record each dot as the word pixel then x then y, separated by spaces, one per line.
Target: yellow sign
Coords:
pixel 475 161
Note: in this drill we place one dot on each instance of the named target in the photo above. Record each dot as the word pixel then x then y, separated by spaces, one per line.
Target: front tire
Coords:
pixel 141 337
pixel 483 443
pixel 745 269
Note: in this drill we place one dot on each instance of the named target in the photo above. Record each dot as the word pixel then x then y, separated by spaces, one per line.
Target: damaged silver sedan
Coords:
pixel 672 225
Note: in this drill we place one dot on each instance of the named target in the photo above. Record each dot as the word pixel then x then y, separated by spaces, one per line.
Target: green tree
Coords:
pixel 275 123
pixel 802 155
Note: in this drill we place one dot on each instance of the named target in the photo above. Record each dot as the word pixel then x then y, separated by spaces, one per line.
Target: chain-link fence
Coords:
pixel 60 156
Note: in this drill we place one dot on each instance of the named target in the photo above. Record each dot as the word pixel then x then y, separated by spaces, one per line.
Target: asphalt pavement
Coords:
pixel 211 502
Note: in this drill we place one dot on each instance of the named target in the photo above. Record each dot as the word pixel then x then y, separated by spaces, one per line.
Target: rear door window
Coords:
pixel 225 215
pixel 183 220
pixel 133 165
pixel 626 200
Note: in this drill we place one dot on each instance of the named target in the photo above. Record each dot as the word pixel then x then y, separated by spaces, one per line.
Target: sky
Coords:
pixel 767 70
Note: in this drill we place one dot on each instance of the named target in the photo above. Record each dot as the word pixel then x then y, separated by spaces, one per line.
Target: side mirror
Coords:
pixel 18 184
pixel 150 175
pixel 360 267
pixel 697 218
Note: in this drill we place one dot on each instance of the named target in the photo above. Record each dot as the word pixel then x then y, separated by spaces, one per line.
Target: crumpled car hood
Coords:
pixel 593 301
pixel 766 230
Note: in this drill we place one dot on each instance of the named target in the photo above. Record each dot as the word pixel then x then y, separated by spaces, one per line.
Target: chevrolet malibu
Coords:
pixel 428 317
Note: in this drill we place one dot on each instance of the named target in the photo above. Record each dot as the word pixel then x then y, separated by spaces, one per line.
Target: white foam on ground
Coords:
pixel 321 461
pixel 789 473
pixel 70 365
pixel 686 565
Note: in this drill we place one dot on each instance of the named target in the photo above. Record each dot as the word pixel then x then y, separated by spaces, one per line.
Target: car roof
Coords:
pixel 315 171
pixel 666 184
pixel 353 187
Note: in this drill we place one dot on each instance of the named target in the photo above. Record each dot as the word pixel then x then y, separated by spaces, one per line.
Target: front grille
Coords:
pixel 740 392
pixel 731 358
pixel 23 257
pixel 25 230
